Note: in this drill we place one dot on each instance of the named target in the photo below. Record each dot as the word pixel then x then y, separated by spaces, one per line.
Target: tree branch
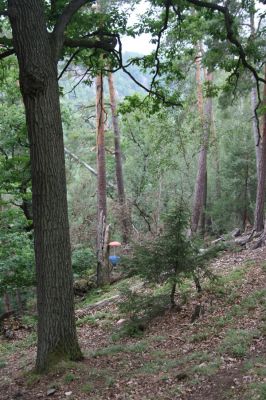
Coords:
pixel 87 166
pixel 105 43
pixel 156 54
pixel 6 53
pixel 62 22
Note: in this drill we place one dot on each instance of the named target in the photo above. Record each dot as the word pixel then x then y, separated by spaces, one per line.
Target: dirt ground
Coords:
pixel 222 355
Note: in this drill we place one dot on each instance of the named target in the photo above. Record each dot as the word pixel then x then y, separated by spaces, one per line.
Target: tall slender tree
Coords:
pixel 254 102
pixel 102 229
pixel 260 196
pixel 118 160
pixel 205 115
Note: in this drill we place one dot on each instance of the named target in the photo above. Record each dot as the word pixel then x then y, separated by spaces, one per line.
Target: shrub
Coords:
pixel 83 259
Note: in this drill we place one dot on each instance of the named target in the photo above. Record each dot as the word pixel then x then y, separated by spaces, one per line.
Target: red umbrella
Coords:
pixel 115 244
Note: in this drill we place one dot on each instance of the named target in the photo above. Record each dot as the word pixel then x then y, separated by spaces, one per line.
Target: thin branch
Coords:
pixel 81 79
pixel 85 165
pixel 68 63
pixel 162 30
pixel 118 55
pixel 143 214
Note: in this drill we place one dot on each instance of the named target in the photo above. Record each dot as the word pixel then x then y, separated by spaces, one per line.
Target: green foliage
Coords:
pixel 165 260
pixel 237 342
pixel 83 259
pixel 168 257
pixel 16 252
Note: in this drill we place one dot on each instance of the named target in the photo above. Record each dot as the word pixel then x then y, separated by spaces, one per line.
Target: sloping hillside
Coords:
pixel 222 355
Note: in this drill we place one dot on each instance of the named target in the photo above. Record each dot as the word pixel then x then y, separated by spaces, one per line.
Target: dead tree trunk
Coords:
pixel 102 262
pixel 118 161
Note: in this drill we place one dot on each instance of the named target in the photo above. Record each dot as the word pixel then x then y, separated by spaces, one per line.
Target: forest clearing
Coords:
pixel 222 355
pixel 132 199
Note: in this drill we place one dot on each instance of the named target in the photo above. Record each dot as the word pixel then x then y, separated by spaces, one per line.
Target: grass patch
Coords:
pixel 256 366
pixel 29 320
pixel 263 266
pixel 201 356
pixel 256 391
pixel 160 365
pixel 206 369
pixel 221 322
pixel 249 304
pixel 87 388
pixel 31 378
pixel 68 378
pixel 223 285
pixel 98 294
pixel 7 348
pixel 87 320
pixel 3 364
pixel 159 338
pixel 237 342
pixel 120 348
pixel 200 337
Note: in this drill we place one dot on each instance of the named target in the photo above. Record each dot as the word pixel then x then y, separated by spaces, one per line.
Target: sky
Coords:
pixel 140 44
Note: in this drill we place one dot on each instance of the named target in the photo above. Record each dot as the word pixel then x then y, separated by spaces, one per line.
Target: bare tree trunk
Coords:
pixel 245 211
pixel 254 102
pixel 19 301
pixel 102 262
pixel 118 161
pixel 7 304
pixel 202 160
pixel 214 135
pixel 204 207
pixel 260 197
pixel 38 82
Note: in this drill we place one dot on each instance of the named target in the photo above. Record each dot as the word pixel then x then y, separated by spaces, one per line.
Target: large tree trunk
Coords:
pixel 118 161
pixel 102 260
pixel 202 160
pixel 260 197
pixel 38 82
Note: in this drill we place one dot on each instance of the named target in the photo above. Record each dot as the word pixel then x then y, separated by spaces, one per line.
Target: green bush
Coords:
pixel 16 252
pixel 83 259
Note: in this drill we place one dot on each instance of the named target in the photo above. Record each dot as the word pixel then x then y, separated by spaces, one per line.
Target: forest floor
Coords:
pixel 222 355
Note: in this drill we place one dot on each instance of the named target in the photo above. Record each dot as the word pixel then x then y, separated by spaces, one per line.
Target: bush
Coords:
pixel 16 252
pixel 83 259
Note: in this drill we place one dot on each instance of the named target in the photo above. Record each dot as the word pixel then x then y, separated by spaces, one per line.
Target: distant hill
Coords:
pixel 85 93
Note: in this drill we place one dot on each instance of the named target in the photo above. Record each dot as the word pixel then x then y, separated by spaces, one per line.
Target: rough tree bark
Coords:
pixel 38 82
pixel 260 197
pixel 118 161
pixel 202 160
pixel 102 259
